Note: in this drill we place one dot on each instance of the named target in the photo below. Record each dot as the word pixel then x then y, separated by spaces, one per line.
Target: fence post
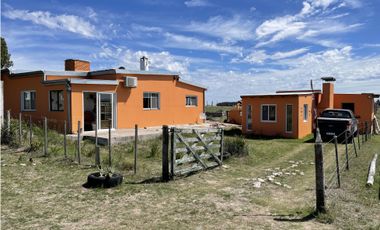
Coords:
pixel 135 149
pixel 109 143
pixel 353 142
pixel 78 144
pixel 165 153
pixel 45 137
pixel 30 131
pixel 8 122
pixel 96 134
pixel 319 174
pixel 346 144
pixel 358 138
pixel 20 128
pixel 172 152
pixel 366 130
pixel 363 133
pixel 97 155
pixel 221 144
pixel 337 160
pixel 64 139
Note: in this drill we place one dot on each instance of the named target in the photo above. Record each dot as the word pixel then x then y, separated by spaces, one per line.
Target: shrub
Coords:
pixel 236 146
pixel 154 149
pixel 9 136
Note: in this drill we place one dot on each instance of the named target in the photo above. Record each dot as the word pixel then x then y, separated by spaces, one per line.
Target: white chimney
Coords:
pixel 144 64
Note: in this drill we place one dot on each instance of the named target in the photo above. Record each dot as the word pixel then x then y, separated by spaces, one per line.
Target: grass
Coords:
pixel 47 192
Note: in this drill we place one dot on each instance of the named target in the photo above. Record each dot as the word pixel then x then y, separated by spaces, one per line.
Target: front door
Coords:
pixel 106 110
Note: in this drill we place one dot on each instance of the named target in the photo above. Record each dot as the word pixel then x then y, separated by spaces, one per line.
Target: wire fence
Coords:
pixel 49 138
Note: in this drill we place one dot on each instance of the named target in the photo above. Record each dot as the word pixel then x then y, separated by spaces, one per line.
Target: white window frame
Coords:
pixel 191 96
pixel 49 101
pixel 275 113
pixel 23 100
pixel 305 112
pixel 158 102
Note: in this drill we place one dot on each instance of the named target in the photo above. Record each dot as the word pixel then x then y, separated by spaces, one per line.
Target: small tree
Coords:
pixel 5 56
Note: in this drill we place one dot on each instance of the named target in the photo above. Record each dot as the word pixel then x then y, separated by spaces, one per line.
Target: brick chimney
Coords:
pixel 327 100
pixel 77 65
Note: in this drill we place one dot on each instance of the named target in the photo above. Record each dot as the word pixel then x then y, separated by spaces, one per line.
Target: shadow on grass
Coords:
pixel 290 218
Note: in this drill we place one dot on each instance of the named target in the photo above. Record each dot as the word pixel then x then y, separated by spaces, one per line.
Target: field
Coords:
pixel 48 194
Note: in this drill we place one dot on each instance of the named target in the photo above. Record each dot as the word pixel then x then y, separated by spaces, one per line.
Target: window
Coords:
pixel 249 117
pixel 350 106
pixel 28 100
pixel 289 118
pixel 56 100
pixel 151 101
pixel 268 113
pixel 191 101
pixel 305 112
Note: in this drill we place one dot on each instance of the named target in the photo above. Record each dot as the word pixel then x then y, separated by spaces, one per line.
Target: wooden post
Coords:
pixel 221 144
pixel 172 152
pixel 109 143
pixel 363 134
pixel 8 122
pixel 97 155
pixel 30 131
pixel 346 144
pixel 64 138
pixel 96 134
pixel 372 171
pixel 45 137
pixel 78 144
pixel 366 130
pixel 20 128
pixel 337 160
pixel 165 153
pixel 353 142
pixel 135 149
pixel 319 174
pixel 358 138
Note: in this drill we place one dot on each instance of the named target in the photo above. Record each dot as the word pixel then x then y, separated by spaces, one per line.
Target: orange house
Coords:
pixel 118 97
pixel 291 114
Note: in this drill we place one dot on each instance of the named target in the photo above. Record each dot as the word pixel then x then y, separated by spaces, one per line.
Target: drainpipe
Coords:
pixel 68 91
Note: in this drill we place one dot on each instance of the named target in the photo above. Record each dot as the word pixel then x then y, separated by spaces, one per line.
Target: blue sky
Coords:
pixel 232 47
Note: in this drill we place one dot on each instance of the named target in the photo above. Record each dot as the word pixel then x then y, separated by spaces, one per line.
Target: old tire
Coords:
pixel 113 180
pixel 95 180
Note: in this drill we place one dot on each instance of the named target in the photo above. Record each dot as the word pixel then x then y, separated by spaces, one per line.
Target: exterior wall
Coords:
pixel 277 128
pixel 305 127
pixel 364 105
pixel 130 111
pixel 12 98
pixel 234 116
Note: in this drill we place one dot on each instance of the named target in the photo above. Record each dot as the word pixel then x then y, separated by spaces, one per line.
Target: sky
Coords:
pixel 231 47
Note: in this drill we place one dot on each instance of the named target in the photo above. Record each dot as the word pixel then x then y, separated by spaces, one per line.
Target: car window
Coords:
pixel 336 114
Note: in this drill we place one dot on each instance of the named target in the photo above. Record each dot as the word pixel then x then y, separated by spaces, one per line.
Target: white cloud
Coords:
pixel 192 43
pixel 260 56
pixel 310 22
pixel 196 3
pixel 235 28
pixel 65 22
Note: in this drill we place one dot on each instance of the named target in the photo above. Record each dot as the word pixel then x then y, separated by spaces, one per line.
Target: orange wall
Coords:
pixel 12 98
pixel 277 128
pixel 234 116
pixel 173 109
pixel 305 128
pixel 364 105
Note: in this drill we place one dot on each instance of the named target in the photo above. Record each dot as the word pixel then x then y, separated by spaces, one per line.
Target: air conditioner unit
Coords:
pixel 131 82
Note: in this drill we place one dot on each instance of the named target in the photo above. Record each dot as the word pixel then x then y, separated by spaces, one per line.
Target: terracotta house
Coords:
pixel 96 98
pixel 291 114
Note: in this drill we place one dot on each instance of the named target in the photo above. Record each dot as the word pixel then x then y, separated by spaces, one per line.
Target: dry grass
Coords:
pixel 47 194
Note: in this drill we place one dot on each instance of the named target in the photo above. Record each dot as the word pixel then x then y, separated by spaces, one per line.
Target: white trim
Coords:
pixel 246 117
pixel 158 103
pixel 286 118
pixel 191 106
pixel 22 101
pixel 261 113
pixel 98 109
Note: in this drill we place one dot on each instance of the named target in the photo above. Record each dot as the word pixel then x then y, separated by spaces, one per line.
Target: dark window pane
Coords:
pixel 272 113
pixel 264 113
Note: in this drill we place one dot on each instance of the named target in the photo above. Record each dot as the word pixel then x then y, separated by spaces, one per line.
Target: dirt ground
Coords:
pixel 48 194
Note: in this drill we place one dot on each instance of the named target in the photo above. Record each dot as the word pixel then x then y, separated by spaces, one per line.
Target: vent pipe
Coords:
pixel 144 64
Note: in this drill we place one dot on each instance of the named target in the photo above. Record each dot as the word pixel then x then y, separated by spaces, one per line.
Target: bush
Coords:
pixel 236 146
pixel 9 136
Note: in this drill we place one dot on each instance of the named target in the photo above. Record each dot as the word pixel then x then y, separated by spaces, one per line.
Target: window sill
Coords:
pixel 262 121
pixel 191 106
pixel 28 110
pixel 56 110
pixel 150 109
